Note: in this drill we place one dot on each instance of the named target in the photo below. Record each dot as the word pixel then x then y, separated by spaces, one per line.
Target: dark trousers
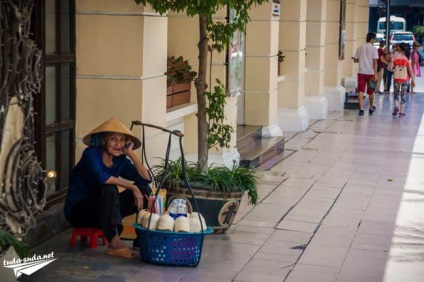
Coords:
pixel 105 208
pixel 388 75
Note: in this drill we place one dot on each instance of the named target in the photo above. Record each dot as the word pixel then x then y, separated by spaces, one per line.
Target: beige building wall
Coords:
pixel 121 60
pixel 349 68
pixel 260 100
pixel 292 114
pixel 333 90
pixel 361 24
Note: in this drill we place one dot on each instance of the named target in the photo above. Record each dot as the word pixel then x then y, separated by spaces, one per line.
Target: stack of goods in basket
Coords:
pixel 175 219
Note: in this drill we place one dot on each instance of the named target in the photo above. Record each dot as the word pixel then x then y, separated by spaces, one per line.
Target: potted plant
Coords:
pixel 210 114
pixel 218 191
pixel 179 77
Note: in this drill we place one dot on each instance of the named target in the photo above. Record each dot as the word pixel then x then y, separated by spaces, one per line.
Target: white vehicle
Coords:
pixel 397 24
pixel 379 37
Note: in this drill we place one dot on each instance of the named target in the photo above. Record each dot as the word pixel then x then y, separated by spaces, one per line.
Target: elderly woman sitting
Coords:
pixel 93 198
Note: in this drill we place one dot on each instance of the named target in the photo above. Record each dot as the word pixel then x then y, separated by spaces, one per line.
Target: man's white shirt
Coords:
pixel 365 55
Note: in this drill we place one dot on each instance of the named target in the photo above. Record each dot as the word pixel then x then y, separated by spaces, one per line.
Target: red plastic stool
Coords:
pixel 93 233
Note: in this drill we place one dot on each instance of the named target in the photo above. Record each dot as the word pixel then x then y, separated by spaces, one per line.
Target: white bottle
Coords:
pixel 173 209
pixel 182 208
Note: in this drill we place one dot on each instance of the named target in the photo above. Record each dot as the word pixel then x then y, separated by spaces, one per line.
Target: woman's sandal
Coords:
pixel 122 253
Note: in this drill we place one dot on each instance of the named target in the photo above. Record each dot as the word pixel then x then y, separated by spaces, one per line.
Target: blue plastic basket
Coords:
pixel 171 248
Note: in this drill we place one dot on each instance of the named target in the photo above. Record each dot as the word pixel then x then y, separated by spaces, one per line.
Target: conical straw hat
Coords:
pixel 113 125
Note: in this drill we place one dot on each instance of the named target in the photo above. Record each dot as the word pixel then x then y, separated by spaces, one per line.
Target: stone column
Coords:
pixel 261 70
pixel 334 91
pixel 315 101
pixel 361 27
pixel 121 60
pixel 349 68
pixel 292 114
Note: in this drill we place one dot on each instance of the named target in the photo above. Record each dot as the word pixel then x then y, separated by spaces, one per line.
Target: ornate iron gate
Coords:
pixel 22 185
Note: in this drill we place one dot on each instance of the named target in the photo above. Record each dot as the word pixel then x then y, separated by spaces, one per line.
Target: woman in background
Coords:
pixel 387 76
pixel 415 61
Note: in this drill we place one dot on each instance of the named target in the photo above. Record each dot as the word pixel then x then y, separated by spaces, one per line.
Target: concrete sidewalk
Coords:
pixel 346 204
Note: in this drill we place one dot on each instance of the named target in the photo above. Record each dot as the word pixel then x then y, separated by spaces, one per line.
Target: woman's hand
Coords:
pixel 138 198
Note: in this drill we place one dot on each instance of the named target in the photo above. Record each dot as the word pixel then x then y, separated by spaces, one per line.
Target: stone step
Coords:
pixel 246 134
pixel 255 150
pixel 351 100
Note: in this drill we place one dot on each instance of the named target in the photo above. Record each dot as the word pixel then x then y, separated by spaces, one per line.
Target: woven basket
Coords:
pixel 170 248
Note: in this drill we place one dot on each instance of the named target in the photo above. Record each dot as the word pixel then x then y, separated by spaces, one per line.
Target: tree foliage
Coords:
pixel 219 32
pixel 418 30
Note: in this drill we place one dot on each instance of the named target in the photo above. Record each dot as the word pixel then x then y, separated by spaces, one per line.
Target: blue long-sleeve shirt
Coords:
pixel 91 173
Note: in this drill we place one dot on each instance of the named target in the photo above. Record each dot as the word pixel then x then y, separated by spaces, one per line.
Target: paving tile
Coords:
pixel 372 242
pixel 291 257
pixel 264 270
pixel 376 227
pixel 359 188
pixel 333 180
pixel 353 201
pixel 365 263
pixel 282 247
pixel 285 195
pixel 297 225
pixel 306 214
pixel 324 256
pixel 333 236
pixel 323 192
pixel 301 238
pixel 312 273
pixel 312 169
pixel 254 238
pixel 270 177
pixel 343 217
pixel 298 182
pixel 258 223
pixel 308 219
pixel 267 212
pixel 315 203
pixel 259 229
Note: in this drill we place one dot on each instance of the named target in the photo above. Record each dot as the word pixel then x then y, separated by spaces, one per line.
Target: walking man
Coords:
pixel 367 57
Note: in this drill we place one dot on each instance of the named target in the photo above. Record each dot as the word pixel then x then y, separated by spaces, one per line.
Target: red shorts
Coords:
pixel 364 79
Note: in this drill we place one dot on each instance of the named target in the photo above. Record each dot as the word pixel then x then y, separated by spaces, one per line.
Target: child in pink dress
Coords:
pixel 402 61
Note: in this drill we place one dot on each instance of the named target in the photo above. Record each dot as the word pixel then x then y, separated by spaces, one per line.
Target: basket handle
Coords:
pixel 180 136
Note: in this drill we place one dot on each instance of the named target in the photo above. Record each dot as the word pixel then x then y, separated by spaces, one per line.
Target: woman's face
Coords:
pixel 115 143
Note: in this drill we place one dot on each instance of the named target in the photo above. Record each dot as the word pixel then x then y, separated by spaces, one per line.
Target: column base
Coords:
pixel 293 120
pixel 271 131
pixel 335 97
pixel 316 106
pixel 349 83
